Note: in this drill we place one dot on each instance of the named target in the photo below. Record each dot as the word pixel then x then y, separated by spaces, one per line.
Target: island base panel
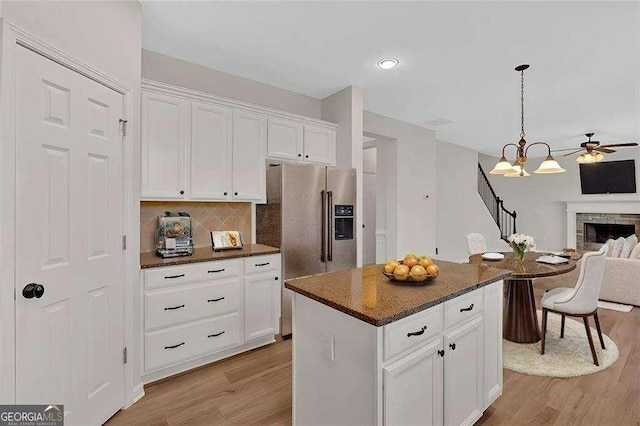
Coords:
pixel 520 316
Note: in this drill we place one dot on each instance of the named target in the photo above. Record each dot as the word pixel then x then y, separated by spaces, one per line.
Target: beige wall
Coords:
pixel 205 217
pixel 177 72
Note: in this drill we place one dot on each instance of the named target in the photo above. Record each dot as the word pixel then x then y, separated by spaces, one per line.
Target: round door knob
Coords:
pixel 235 193
pixel 33 290
pixel 181 192
pixel 225 193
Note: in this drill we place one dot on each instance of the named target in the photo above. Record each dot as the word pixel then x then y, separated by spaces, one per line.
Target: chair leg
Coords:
pixel 562 326
pixel 595 317
pixel 544 329
pixel 593 349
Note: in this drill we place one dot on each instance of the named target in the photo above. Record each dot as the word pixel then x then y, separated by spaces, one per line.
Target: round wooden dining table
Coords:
pixel 520 319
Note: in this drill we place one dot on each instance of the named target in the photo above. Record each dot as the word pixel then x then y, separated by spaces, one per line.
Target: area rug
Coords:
pixel 566 357
pixel 614 306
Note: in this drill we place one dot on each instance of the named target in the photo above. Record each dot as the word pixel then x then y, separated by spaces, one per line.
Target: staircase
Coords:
pixel 505 219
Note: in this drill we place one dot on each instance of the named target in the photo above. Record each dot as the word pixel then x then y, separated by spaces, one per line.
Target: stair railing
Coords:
pixel 505 219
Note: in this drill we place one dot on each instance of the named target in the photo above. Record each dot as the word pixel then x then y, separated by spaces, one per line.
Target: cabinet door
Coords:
pixel 319 145
pixel 463 364
pixel 261 305
pixel 210 153
pixel 248 169
pixel 284 139
pixel 163 146
pixel 413 393
pixel 492 337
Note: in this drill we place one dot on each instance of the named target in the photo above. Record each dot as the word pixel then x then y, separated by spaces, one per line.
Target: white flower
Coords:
pixel 523 241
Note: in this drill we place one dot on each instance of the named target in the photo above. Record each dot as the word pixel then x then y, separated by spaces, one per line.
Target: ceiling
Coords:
pixel 456 60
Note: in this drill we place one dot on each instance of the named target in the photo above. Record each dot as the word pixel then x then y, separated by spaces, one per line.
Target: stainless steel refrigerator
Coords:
pixel 310 216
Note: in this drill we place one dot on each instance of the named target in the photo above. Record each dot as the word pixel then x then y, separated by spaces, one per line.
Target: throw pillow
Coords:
pixel 635 253
pixel 629 243
pixel 617 247
pixel 609 244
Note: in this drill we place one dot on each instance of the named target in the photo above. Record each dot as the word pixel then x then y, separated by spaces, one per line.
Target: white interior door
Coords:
pixel 69 225
pixel 369 218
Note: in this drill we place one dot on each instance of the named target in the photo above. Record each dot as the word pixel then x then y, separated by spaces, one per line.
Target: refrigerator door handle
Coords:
pixel 324 231
pixel 329 238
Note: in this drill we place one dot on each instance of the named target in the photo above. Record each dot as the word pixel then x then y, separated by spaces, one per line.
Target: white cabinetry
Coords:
pixel 198 313
pixel 463 375
pixel 292 141
pixel 164 146
pixel 210 152
pixel 249 141
pixel 415 381
pixel 201 147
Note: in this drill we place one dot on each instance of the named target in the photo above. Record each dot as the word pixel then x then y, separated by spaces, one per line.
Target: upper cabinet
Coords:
pixel 164 146
pixel 200 147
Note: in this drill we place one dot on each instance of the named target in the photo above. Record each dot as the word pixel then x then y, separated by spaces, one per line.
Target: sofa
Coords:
pixel 622 274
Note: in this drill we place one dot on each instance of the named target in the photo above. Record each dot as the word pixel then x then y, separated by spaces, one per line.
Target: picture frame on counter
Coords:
pixel 226 240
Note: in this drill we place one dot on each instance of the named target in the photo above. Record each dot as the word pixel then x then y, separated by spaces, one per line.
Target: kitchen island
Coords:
pixel 368 351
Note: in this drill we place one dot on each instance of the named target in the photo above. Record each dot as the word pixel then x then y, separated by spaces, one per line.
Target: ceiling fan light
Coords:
pixel 598 157
pixel 588 158
pixel 581 159
pixel 548 166
pixel 502 167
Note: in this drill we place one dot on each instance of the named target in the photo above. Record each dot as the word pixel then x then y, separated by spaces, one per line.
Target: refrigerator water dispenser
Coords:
pixel 343 222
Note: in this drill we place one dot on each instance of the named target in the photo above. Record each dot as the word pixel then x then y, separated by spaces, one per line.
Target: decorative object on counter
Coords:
pixel 226 240
pixel 520 244
pixel 173 235
pixel 411 269
pixel 504 167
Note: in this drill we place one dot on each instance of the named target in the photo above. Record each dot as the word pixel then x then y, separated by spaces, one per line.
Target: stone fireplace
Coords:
pixel 592 223
pixel 594 229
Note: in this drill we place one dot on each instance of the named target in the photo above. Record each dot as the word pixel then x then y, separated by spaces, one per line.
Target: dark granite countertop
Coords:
pixel 149 259
pixel 366 294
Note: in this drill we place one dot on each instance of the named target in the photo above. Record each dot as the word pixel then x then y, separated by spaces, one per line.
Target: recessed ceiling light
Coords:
pixel 388 63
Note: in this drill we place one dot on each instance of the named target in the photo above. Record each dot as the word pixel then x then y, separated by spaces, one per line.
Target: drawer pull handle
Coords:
pixel 417 333
pixel 452 346
pixel 216 300
pixel 262 264
pixel 216 335
pixel 441 353
pixel 215 270
pixel 174 346
pixel 174 276
pixel 173 308
pixel 467 309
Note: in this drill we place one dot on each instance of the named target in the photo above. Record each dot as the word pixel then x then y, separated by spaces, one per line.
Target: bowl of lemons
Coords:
pixel 411 269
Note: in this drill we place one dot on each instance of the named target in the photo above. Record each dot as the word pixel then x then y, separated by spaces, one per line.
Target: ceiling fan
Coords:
pixel 593 151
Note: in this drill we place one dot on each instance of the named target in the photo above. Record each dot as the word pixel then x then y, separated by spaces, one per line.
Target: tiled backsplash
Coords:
pixel 205 217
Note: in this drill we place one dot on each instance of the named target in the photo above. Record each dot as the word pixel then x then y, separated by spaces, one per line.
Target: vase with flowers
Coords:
pixel 520 244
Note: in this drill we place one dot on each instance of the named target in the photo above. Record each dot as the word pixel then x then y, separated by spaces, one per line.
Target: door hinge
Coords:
pixel 123 127
pixel 124 356
pixel 124 242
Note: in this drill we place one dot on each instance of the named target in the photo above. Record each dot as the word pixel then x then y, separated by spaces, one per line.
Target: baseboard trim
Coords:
pixel 136 394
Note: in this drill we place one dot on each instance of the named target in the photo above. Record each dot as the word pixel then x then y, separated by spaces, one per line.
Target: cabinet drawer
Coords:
pixel 462 307
pixel 181 274
pixel 260 264
pixel 412 331
pixel 166 307
pixel 190 340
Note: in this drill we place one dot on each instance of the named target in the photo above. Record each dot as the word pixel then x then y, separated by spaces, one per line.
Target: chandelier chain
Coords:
pixel 522 104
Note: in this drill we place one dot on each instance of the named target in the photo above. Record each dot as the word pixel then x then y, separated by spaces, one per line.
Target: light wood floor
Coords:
pixel 255 388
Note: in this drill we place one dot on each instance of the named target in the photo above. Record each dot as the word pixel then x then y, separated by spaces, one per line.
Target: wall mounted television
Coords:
pixel 609 177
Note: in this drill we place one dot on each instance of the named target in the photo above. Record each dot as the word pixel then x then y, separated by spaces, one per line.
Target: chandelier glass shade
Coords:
pixel 517 169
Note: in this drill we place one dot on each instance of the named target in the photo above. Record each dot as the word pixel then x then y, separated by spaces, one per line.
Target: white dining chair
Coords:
pixel 476 243
pixel 580 301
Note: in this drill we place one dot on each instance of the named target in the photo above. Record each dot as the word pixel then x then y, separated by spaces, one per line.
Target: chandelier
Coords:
pixel 517 168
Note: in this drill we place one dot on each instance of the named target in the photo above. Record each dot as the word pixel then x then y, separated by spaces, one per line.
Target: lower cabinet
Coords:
pixel 415 381
pixel 198 313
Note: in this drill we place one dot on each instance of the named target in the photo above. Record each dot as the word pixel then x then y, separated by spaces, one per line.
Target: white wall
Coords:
pixel 106 35
pixel 460 209
pixel 539 200
pixel 416 176
pixel 345 108
pixel 181 73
